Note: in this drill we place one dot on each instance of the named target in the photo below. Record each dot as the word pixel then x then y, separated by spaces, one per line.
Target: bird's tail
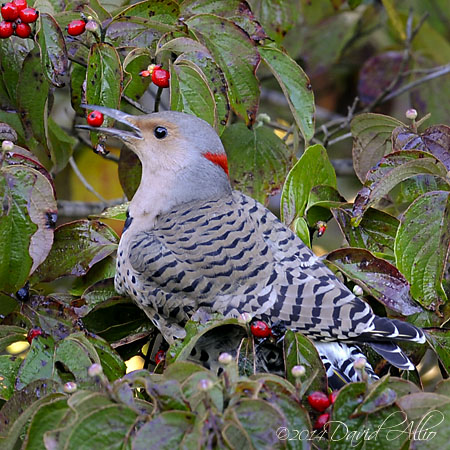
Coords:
pixel 383 334
pixel 338 359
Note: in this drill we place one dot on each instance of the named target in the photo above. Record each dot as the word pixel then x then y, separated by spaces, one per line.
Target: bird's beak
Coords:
pixel 119 116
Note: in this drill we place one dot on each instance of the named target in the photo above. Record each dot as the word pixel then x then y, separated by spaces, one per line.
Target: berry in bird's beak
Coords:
pixel 119 116
pixel 95 118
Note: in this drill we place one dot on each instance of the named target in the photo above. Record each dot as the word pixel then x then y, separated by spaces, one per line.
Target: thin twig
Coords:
pixel 443 70
pixel 339 139
pixel 68 208
pixel 136 104
pixel 83 180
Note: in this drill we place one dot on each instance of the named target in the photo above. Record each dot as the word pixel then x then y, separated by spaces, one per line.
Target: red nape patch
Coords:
pixel 220 160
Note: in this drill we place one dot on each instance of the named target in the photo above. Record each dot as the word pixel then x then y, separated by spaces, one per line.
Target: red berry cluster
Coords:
pixel 320 402
pixel 160 77
pixel 95 119
pixel 16 19
pixel 76 27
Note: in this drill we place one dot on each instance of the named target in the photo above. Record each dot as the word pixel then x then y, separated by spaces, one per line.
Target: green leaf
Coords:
pixel 276 16
pixel 190 92
pixel 371 140
pixel 299 350
pixel 61 145
pixel 390 171
pixel 98 293
pixel 10 334
pixel 376 232
pixel 9 367
pixel 236 55
pixel 378 277
pixel 45 419
pixel 106 427
pixel 259 160
pixel 135 85
pixel 432 411
pixel 164 11
pixel 302 231
pixel 312 169
pixel 237 11
pixel 164 432
pixel 296 88
pixel 349 430
pixel 395 18
pixel 39 363
pixel 321 199
pixel 116 318
pixel 130 171
pixel 380 396
pixel 215 79
pixel 421 246
pixel 260 421
pixel 118 212
pixel 440 340
pixel 104 79
pixel 25 224
pixel 53 49
pixel 32 98
pixel 77 79
pixel 77 247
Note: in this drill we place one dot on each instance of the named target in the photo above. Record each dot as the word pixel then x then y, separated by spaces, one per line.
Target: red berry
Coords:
pixel 23 30
pixel 33 333
pixel 160 356
pixel 76 27
pixel 321 421
pixel 260 329
pixel 95 118
pixel 160 77
pixel 10 11
pixel 332 397
pixel 6 29
pixel 319 401
pixel 28 15
pixel 20 4
pixel 144 73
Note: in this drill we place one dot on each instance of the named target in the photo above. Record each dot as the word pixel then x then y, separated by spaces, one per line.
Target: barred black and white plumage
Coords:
pixel 192 244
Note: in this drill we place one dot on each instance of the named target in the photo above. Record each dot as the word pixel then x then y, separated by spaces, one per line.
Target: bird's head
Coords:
pixel 179 150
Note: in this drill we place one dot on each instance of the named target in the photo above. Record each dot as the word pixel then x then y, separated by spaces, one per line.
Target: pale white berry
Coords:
pixel 225 358
pixel 411 114
pixel 95 370
pixel 298 371
pixel 70 387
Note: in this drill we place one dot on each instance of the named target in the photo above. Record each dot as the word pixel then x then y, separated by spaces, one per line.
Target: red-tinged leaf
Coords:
pixel 77 247
pixel 375 233
pixel 371 140
pixel 296 88
pixel 435 140
pixel 422 244
pixel 236 55
pixel 378 277
pixel 377 74
pixel 53 49
pixel 392 170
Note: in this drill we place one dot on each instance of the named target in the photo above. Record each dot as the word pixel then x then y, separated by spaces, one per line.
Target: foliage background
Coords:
pixel 328 82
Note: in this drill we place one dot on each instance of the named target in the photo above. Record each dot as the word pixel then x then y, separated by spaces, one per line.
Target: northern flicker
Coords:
pixel 191 243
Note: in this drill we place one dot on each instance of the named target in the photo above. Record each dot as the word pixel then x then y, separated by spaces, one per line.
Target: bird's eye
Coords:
pixel 160 132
